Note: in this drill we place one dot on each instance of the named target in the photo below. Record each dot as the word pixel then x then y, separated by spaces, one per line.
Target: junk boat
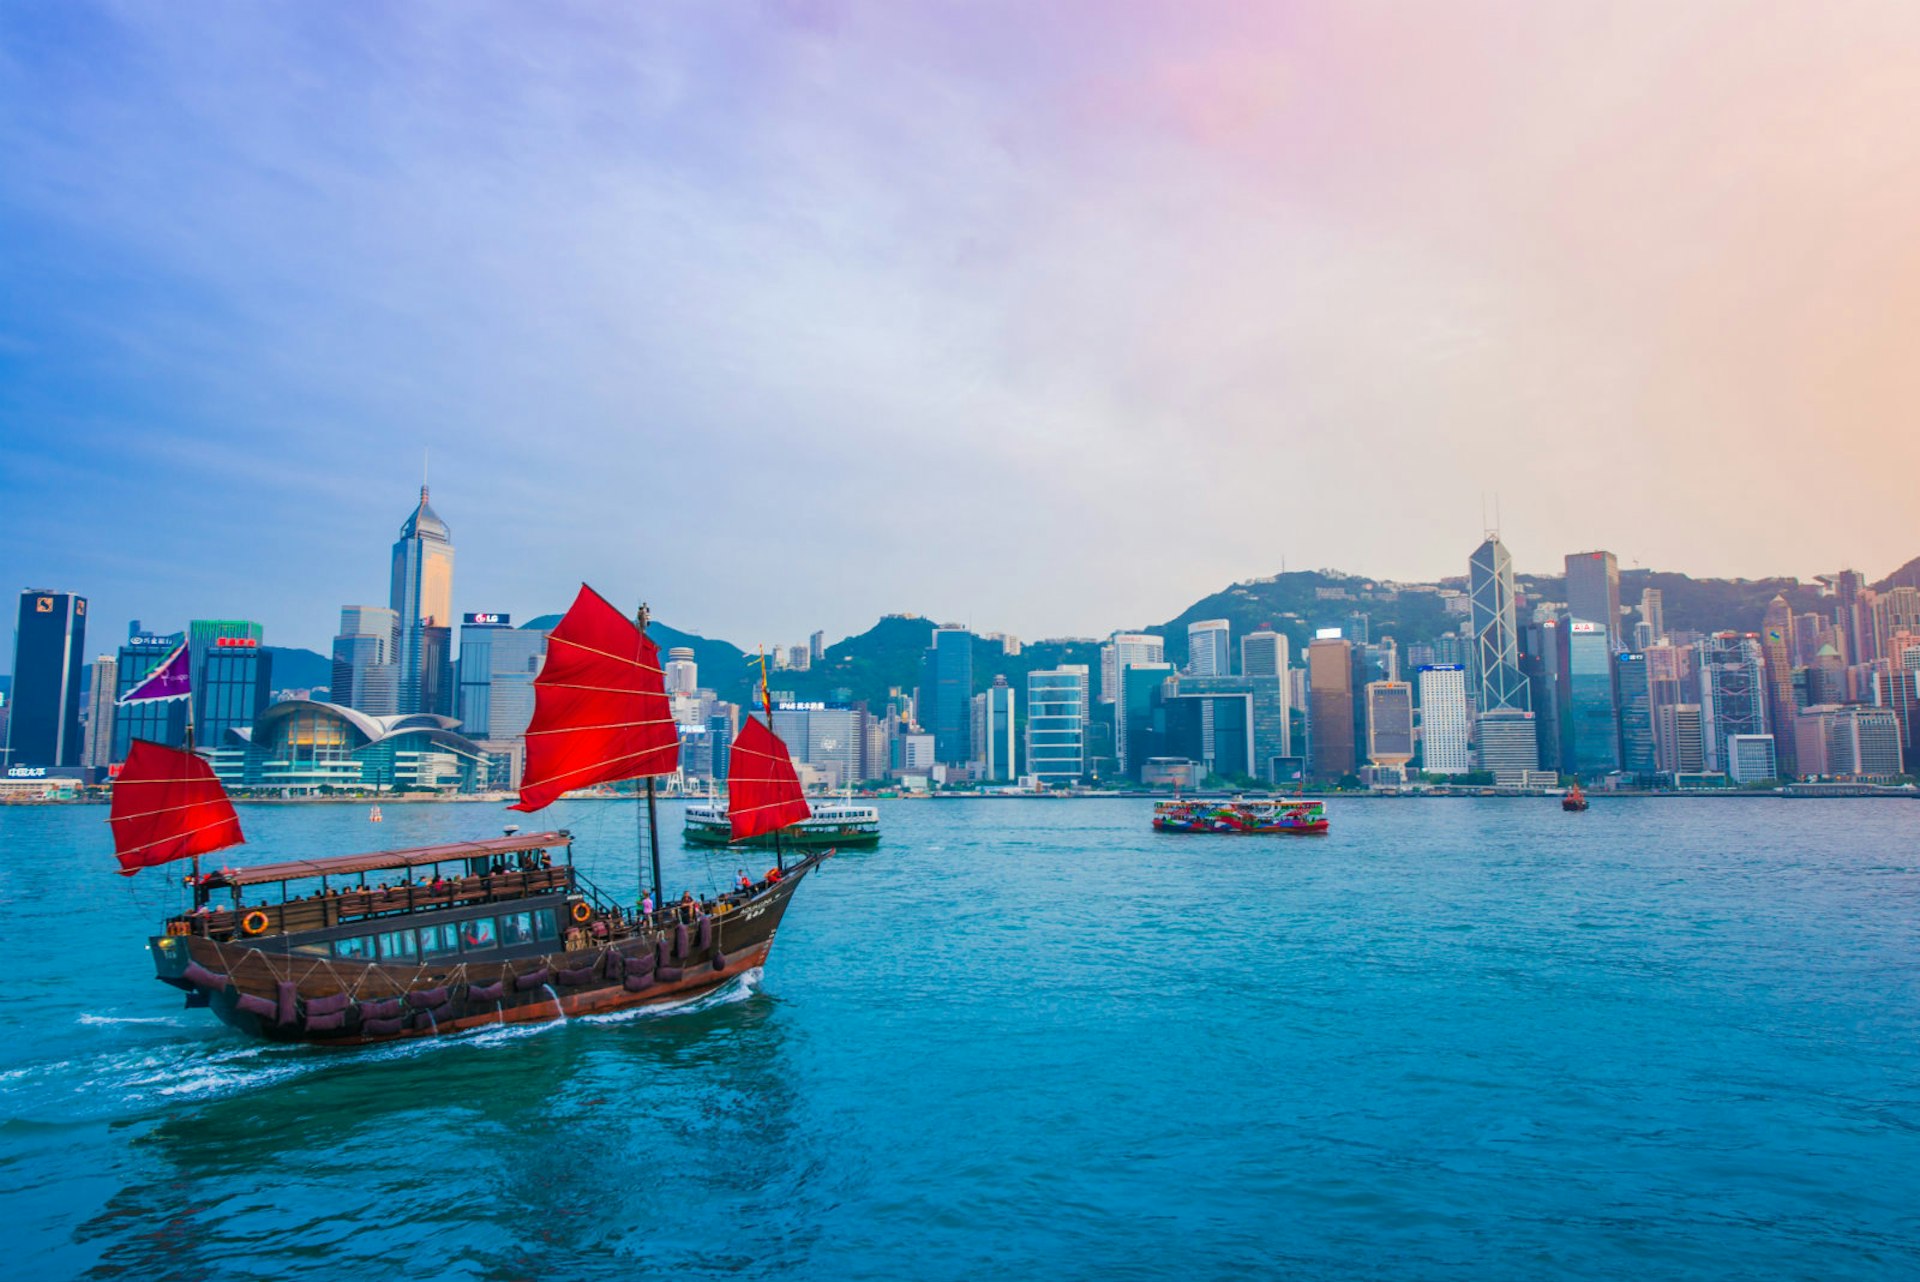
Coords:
pixel 839 824
pixel 1574 799
pixel 502 931
pixel 1244 818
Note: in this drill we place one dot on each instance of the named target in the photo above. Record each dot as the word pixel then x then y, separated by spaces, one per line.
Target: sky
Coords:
pixel 1046 318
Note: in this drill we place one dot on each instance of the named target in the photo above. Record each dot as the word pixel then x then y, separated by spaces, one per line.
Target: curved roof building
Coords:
pixel 303 746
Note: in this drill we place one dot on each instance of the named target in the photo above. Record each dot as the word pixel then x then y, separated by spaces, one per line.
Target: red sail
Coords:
pixel 763 793
pixel 600 710
pixel 168 805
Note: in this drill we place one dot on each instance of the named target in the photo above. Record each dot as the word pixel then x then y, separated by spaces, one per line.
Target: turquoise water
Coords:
pixel 1455 1039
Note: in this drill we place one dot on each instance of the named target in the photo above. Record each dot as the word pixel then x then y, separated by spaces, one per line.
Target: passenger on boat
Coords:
pixel 746 882
pixel 646 905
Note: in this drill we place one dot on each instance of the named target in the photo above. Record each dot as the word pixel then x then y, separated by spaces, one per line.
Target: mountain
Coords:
pixel 1907 576
pixel 1298 603
pixel 296 669
pixel 1301 602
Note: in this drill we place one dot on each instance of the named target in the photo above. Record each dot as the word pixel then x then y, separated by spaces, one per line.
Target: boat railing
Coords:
pixel 334 907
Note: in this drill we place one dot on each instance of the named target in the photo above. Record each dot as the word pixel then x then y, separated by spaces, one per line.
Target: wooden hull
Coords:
pixel 383 1003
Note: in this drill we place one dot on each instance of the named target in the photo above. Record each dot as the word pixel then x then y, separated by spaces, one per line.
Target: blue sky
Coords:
pixel 1047 318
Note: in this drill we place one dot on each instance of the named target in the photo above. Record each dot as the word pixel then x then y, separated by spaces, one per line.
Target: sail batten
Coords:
pixel 168 805
pixel 763 792
pixel 600 710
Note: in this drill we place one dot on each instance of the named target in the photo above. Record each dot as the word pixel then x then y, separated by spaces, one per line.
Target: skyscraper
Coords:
pixel 103 685
pixel 1444 732
pixel 1496 639
pixel 1593 592
pixel 1592 729
pixel 1389 724
pixel 366 676
pixel 1732 693
pixel 1634 694
pixel 1209 650
pixel 50 637
pixel 993 731
pixel 1264 653
pixel 1776 648
pixel 1122 650
pixel 1330 708
pixel 1653 614
pixel 162 721
pixel 1057 705
pixel 422 600
pixel 232 677
pixel 946 694
pixel 1135 734
pixel 817 646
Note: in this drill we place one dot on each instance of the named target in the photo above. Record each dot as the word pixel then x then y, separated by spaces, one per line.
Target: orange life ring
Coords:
pixel 581 912
pixel 254 922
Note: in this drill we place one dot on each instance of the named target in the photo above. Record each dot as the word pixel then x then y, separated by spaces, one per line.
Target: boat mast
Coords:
pixel 199 891
pixel 766 701
pixel 652 836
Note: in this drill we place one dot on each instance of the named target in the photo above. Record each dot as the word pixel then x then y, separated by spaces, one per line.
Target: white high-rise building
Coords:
pixel 1444 728
pixel 96 750
pixel 1124 650
pixel 993 740
pixel 682 673
pixel 1209 648
pixel 1263 654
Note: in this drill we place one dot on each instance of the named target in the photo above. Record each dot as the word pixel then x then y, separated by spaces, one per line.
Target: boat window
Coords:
pixel 360 947
pixel 439 941
pixel 516 928
pixel 397 945
pixel 544 926
pixel 476 934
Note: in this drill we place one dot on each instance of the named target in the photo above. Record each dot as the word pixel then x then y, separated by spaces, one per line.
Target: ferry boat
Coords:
pixel 502 931
pixel 840 825
pixel 1244 818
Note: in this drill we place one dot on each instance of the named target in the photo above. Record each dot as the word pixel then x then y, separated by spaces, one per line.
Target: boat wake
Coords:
pixel 738 989
pixel 200 1064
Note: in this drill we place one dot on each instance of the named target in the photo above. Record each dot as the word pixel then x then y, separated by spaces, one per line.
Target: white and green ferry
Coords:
pixel 837 823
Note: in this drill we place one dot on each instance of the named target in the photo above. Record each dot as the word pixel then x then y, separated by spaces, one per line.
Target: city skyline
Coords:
pixel 173 614
pixel 1179 293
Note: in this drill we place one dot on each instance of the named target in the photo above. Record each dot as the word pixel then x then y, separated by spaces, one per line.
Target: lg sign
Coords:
pixel 483 619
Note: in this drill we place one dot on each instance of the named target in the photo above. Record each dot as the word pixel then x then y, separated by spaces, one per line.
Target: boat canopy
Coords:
pixel 373 861
pixel 600 708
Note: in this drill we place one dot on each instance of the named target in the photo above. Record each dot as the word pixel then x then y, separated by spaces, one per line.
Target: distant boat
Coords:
pixel 1242 818
pixel 375 816
pixel 1574 799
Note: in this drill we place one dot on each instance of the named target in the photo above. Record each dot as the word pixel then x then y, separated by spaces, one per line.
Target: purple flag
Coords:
pixel 171 680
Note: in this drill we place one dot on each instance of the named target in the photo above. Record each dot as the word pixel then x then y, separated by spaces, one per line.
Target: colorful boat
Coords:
pixel 502 931
pixel 1244 818
pixel 1574 799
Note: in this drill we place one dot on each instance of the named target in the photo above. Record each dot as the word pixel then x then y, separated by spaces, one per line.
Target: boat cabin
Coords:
pixel 490 900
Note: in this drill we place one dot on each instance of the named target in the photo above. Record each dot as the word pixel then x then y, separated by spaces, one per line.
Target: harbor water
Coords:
pixel 1462 1039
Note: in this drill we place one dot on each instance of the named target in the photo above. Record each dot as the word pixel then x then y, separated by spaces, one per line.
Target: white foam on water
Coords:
pixel 737 989
pixel 166 1021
